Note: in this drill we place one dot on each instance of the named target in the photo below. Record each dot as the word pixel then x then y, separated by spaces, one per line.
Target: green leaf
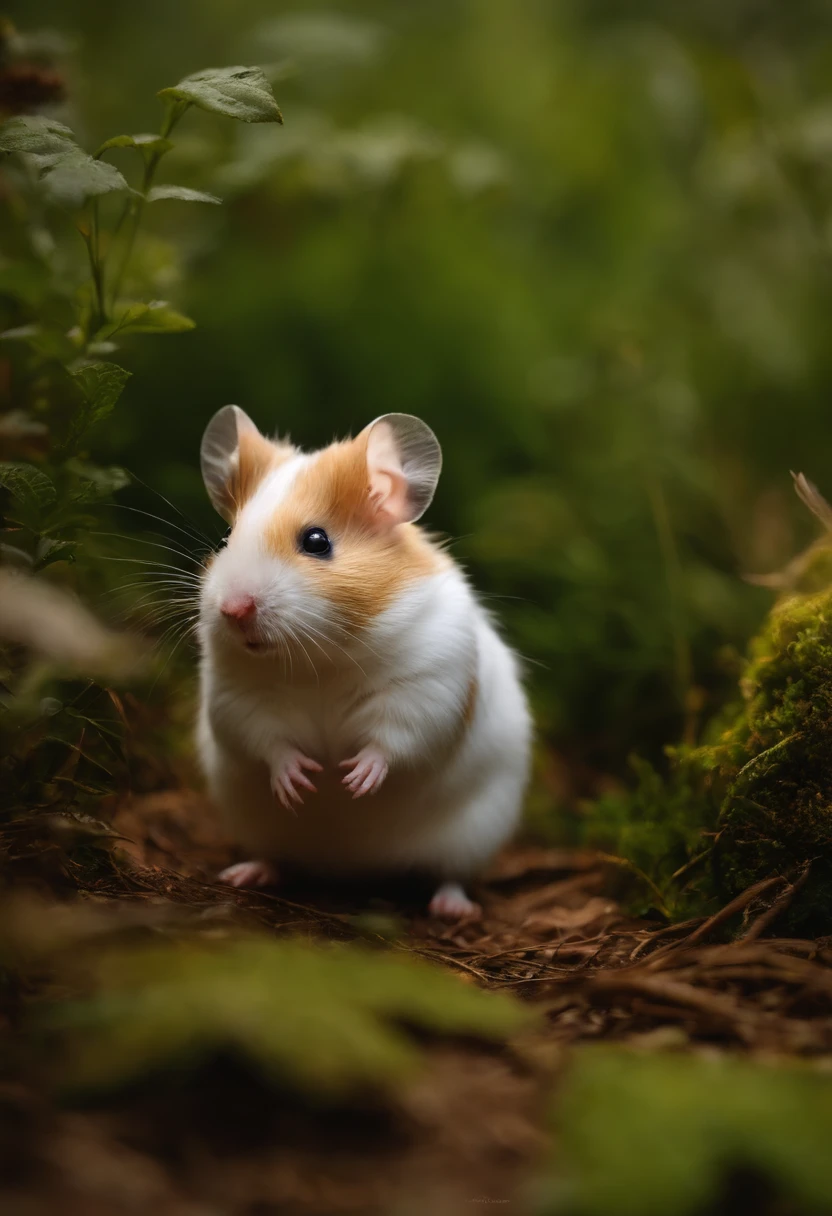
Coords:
pixel 238 92
pixel 101 385
pixel 94 482
pixel 324 1019
pixel 50 551
pixel 36 136
pixel 157 317
pixel 29 485
pixel 73 178
pixel 659 1135
pixel 181 192
pixel 146 144
pixel 69 176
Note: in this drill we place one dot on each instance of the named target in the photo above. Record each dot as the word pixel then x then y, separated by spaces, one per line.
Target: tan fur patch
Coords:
pixel 370 562
pixel 470 706
pixel 256 457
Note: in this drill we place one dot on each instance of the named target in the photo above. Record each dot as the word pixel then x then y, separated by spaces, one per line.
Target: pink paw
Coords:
pixel 451 903
pixel 367 772
pixel 289 775
pixel 249 874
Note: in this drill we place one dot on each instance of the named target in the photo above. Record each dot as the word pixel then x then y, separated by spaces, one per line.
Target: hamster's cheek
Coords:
pixel 297 602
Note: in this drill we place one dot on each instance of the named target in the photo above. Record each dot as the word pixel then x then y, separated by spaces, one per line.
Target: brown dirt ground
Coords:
pixel 471 1131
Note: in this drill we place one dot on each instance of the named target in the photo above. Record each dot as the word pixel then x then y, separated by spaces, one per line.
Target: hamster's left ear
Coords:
pixel 235 458
pixel 404 461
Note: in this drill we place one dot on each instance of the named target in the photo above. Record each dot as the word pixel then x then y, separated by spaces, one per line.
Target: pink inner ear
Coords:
pixel 389 491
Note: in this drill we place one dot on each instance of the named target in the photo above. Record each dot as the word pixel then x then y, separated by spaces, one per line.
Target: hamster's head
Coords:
pixel 320 543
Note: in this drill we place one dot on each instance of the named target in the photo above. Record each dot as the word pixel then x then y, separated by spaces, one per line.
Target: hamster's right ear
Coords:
pixel 235 457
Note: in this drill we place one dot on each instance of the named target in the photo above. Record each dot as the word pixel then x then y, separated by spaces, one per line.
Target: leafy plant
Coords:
pixel 74 269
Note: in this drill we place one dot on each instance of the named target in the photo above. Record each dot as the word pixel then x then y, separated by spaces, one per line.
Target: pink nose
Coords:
pixel 239 609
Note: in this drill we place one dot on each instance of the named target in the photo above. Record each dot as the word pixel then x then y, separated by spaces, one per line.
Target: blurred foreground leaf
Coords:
pixel 52 623
pixel 320 1018
pixel 237 92
pixel 661 1135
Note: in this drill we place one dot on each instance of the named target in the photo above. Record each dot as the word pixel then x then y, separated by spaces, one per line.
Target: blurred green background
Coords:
pixel 588 243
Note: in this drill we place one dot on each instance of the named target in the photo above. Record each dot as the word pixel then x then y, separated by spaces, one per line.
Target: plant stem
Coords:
pixel 175 111
pixel 97 268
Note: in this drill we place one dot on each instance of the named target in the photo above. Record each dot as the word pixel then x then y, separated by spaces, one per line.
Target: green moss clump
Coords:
pixel 776 814
pixel 755 800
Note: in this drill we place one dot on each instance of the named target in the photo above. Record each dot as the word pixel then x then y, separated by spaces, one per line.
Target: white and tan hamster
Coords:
pixel 348 666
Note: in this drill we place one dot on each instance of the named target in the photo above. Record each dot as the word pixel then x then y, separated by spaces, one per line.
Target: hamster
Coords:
pixel 358 710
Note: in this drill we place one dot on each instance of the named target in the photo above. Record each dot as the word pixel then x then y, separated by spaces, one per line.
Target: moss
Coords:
pixel 776 813
pixel 755 799
pixel 662 828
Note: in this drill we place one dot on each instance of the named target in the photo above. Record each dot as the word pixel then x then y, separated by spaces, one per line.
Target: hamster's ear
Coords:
pixel 404 461
pixel 235 457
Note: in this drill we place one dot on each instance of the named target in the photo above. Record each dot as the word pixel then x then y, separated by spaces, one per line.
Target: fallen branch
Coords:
pixel 781 903
pixel 715 1005
pixel 719 918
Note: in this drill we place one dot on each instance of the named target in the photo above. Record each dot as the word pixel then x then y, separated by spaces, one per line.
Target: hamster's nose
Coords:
pixel 239 609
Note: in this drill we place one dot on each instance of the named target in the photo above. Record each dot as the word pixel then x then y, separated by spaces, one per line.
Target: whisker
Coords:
pixel 184 612
pixel 306 652
pixel 304 624
pixel 190 536
pixel 141 540
pixel 173 651
pixel 168 503
pixel 141 561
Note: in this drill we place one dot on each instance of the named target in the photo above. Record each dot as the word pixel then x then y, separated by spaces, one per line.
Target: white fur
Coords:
pixel 455 787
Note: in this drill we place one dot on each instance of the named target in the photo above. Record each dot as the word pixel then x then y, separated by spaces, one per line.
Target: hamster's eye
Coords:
pixel 316 542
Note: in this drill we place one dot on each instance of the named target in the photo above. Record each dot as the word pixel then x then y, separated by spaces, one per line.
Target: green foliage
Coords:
pixel 325 1020
pixel 32 489
pixel 68 175
pixel 589 245
pixel 156 317
pixel 75 177
pixel 101 385
pixel 183 193
pixel 756 799
pixel 776 759
pixel 37 136
pixel 592 251
pixel 665 829
pixel 60 316
pixel 663 1135
pixel 241 93
pixel 148 145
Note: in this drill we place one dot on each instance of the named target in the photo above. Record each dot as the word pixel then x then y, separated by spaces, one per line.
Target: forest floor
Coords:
pixel 472 1128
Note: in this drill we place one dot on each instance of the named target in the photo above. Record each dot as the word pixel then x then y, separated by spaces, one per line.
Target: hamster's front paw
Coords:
pixel 288 773
pixel 367 772
pixel 249 874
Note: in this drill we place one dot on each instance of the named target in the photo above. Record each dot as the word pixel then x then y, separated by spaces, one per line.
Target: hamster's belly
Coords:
pixel 332 831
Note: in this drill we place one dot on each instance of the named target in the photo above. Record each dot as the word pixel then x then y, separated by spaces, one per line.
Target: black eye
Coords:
pixel 316 542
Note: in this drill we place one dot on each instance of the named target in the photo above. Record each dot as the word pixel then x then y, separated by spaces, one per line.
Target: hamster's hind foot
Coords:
pixel 451 903
pixel 249 874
